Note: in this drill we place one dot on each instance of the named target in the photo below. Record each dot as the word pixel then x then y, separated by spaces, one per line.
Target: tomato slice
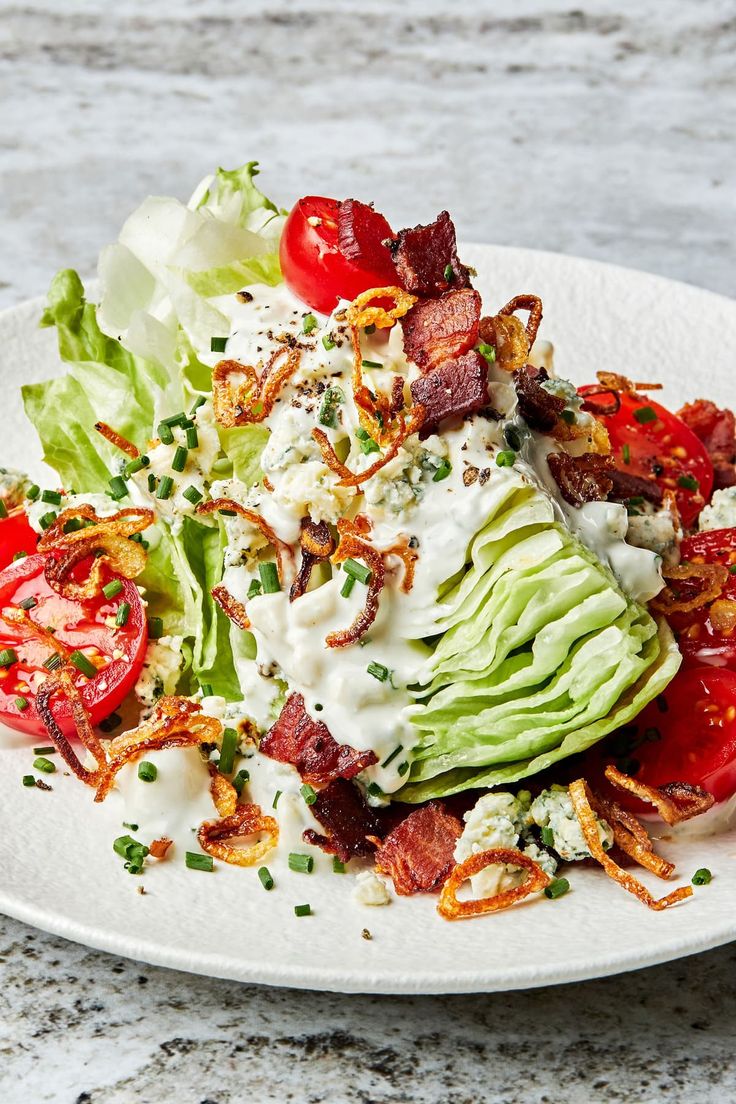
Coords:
pixel 88 627
pixel 16 536
pixel 332 250
pixel 648 441
pixel 700 642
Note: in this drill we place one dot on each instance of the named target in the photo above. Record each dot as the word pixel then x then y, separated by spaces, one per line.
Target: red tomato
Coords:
pixel 79 626
pixel 649 441
pixel 16 536
pixel 688 734
pixel 331 250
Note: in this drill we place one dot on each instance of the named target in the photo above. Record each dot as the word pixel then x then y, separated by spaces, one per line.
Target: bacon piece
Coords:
pixel 538 407
pixel 716 428
pixel 675 801
pixel 625 486
pixel 585 478
pixel 422 255
pixel 440 329
pixel 317 545
pixel 310 747
pixel 451 909
pixel 160 846
pixel 352 827
pixel 453 389
pixel 418 853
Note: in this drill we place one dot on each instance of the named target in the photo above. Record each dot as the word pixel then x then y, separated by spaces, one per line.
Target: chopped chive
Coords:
pixel 732 569
pixel 165 487
pixel 389 759
pixel 22 704
pixel 227 751
pixel 378 671
pixel 302 910
pixel 255 588
pixel 488 352
pixel 338 866
pixel 276 797
pixel 196 861
pixel 82 663
pixel 635 500
pixel 155 628
pixel 52 497
pixel 702 876
pixel 29 780
pixel 557 888
pixel 357 570
pixel 505 458
pixel 152 481
pixel 135 466
pixel 8 656
pixel 449 273
pixel 164 432
pixel 548 837
pixel 265 876
pixel 179 460
pixel 192 437
pixel 118 488
pixel 347 586
pixel 568 416
pixel 47 519
pixel 310 323
pixel 269 578
pixel 147 772
pixel 366 442
pixel 3 508
pixel 28 603
pixel 403 768
pixel 239 780
pixel 442 471
pixel 43 764
pixel 331 399
pixel 121 617
pixel 370 328
pixel 179 419
pixel 218 344
pixel 206 688
pixel 112 588
pixel 191 494
pixel 374 789
pixel 73 525
pixel 109 724
pixel 33 492
pixel 19 556
pixel 50 750
pixel 199 401
pixel 644 415
pixel 227 513
pixel 53 662
pixel 626 453
pixel 328 342
pixel 371 364
pixel 688 482
pixel 308 793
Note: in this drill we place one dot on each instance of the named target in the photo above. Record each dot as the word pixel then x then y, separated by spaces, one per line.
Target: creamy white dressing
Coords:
pixel 175 804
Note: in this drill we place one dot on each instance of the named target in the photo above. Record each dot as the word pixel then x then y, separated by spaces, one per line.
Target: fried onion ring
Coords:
pixel 61 682
pixel 22 620
pixel 352 546
pixel 230 606
pixel 284 555
pixel 713 576
pixel 527 302
pixel 107 538
pixel 246 820
pixel 675 802
pixel 117 440
pixel 223 793
pixel 359 313
pixel 632 837
pixel 581 798
pixel 237 404
pixel 317 545
pixel 408 556
pixel 452 909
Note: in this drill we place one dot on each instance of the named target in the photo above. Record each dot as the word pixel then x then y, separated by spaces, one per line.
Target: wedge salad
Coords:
pixel 338 575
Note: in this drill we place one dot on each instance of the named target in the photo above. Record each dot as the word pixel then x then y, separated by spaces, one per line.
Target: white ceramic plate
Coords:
pixel 58 869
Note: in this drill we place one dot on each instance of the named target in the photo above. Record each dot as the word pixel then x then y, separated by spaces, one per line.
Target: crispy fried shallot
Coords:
pixel 230 606
pixel 352 546
pixel 408 556
pixel 246 820
pixel 530 303
pixel 223 793
pixel 674 802
pixel 61 683
pixel 284 555
pixel 317 545
pixel 175 722
pixel 631 837
pixel 679 598
pixel 350 478
pixel 507 334
pixel 450 908
pixel 159 847
pixel 581 802
pixel 105 538
pixel 722 615
pixel 251 398
pixel 117 440
pixel 29 630
pixel 360 313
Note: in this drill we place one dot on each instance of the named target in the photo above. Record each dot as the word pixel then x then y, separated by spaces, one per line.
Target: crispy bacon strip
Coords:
pixel 108 536
pixel 117 440
pixel 675 802
pixel 22 620
pixel 246 820
pixel 583 478
pixel 352 828
pixel 627 486
pixel 317 545
pixel 581 802
pixel 451 909
pixel 360 313
pixel 672 599
pixel 308 745
pixel 418 853
pixel 230 606
pixel 284 555
pixel 61 683
pixel 252 399
pixel 453 389
pixel 426 257
pixel 175 722
pixel 716 428
pixel 441 329
pixel 351 546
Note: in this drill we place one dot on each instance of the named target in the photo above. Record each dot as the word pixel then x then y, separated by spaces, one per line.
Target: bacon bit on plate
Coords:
pixel 716 428
pixel 627 486
pixel 681 597
pixel 352 546
pixel 507 334
pixel 352 827
pixel 310 747
pixel 675 802
pixel 367 308
pixel 230 606
pixel 585 478
pixel 175 722
pixel 251 398
pixel 117 440
pixel 418 853
pixel 452 390
pixel 581 802
pixel 317 545
pixel 284 554
pixel 539 408
pixel 159 847
pixel 450 908
pixel 426 258
pixel 61 683
pixel 441 329
pixel 105 538
pixel 247 820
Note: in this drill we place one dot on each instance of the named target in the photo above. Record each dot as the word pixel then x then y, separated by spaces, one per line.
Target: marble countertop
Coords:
pixel 605 132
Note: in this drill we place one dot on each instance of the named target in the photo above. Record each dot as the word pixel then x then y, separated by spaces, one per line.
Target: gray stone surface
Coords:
pixel 606 132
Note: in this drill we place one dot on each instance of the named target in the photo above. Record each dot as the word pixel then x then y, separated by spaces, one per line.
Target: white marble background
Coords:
pixel 605 131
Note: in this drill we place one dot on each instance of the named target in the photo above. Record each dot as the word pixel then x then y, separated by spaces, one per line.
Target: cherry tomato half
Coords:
pixel 647 440
pixel 116 651
pixel 331 250
pixel 699 640
pixel 16 536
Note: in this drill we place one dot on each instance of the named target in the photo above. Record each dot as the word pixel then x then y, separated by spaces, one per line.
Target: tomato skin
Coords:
pixel 16 536
pixel 663 448
pixel 314 267
pixel 101 694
